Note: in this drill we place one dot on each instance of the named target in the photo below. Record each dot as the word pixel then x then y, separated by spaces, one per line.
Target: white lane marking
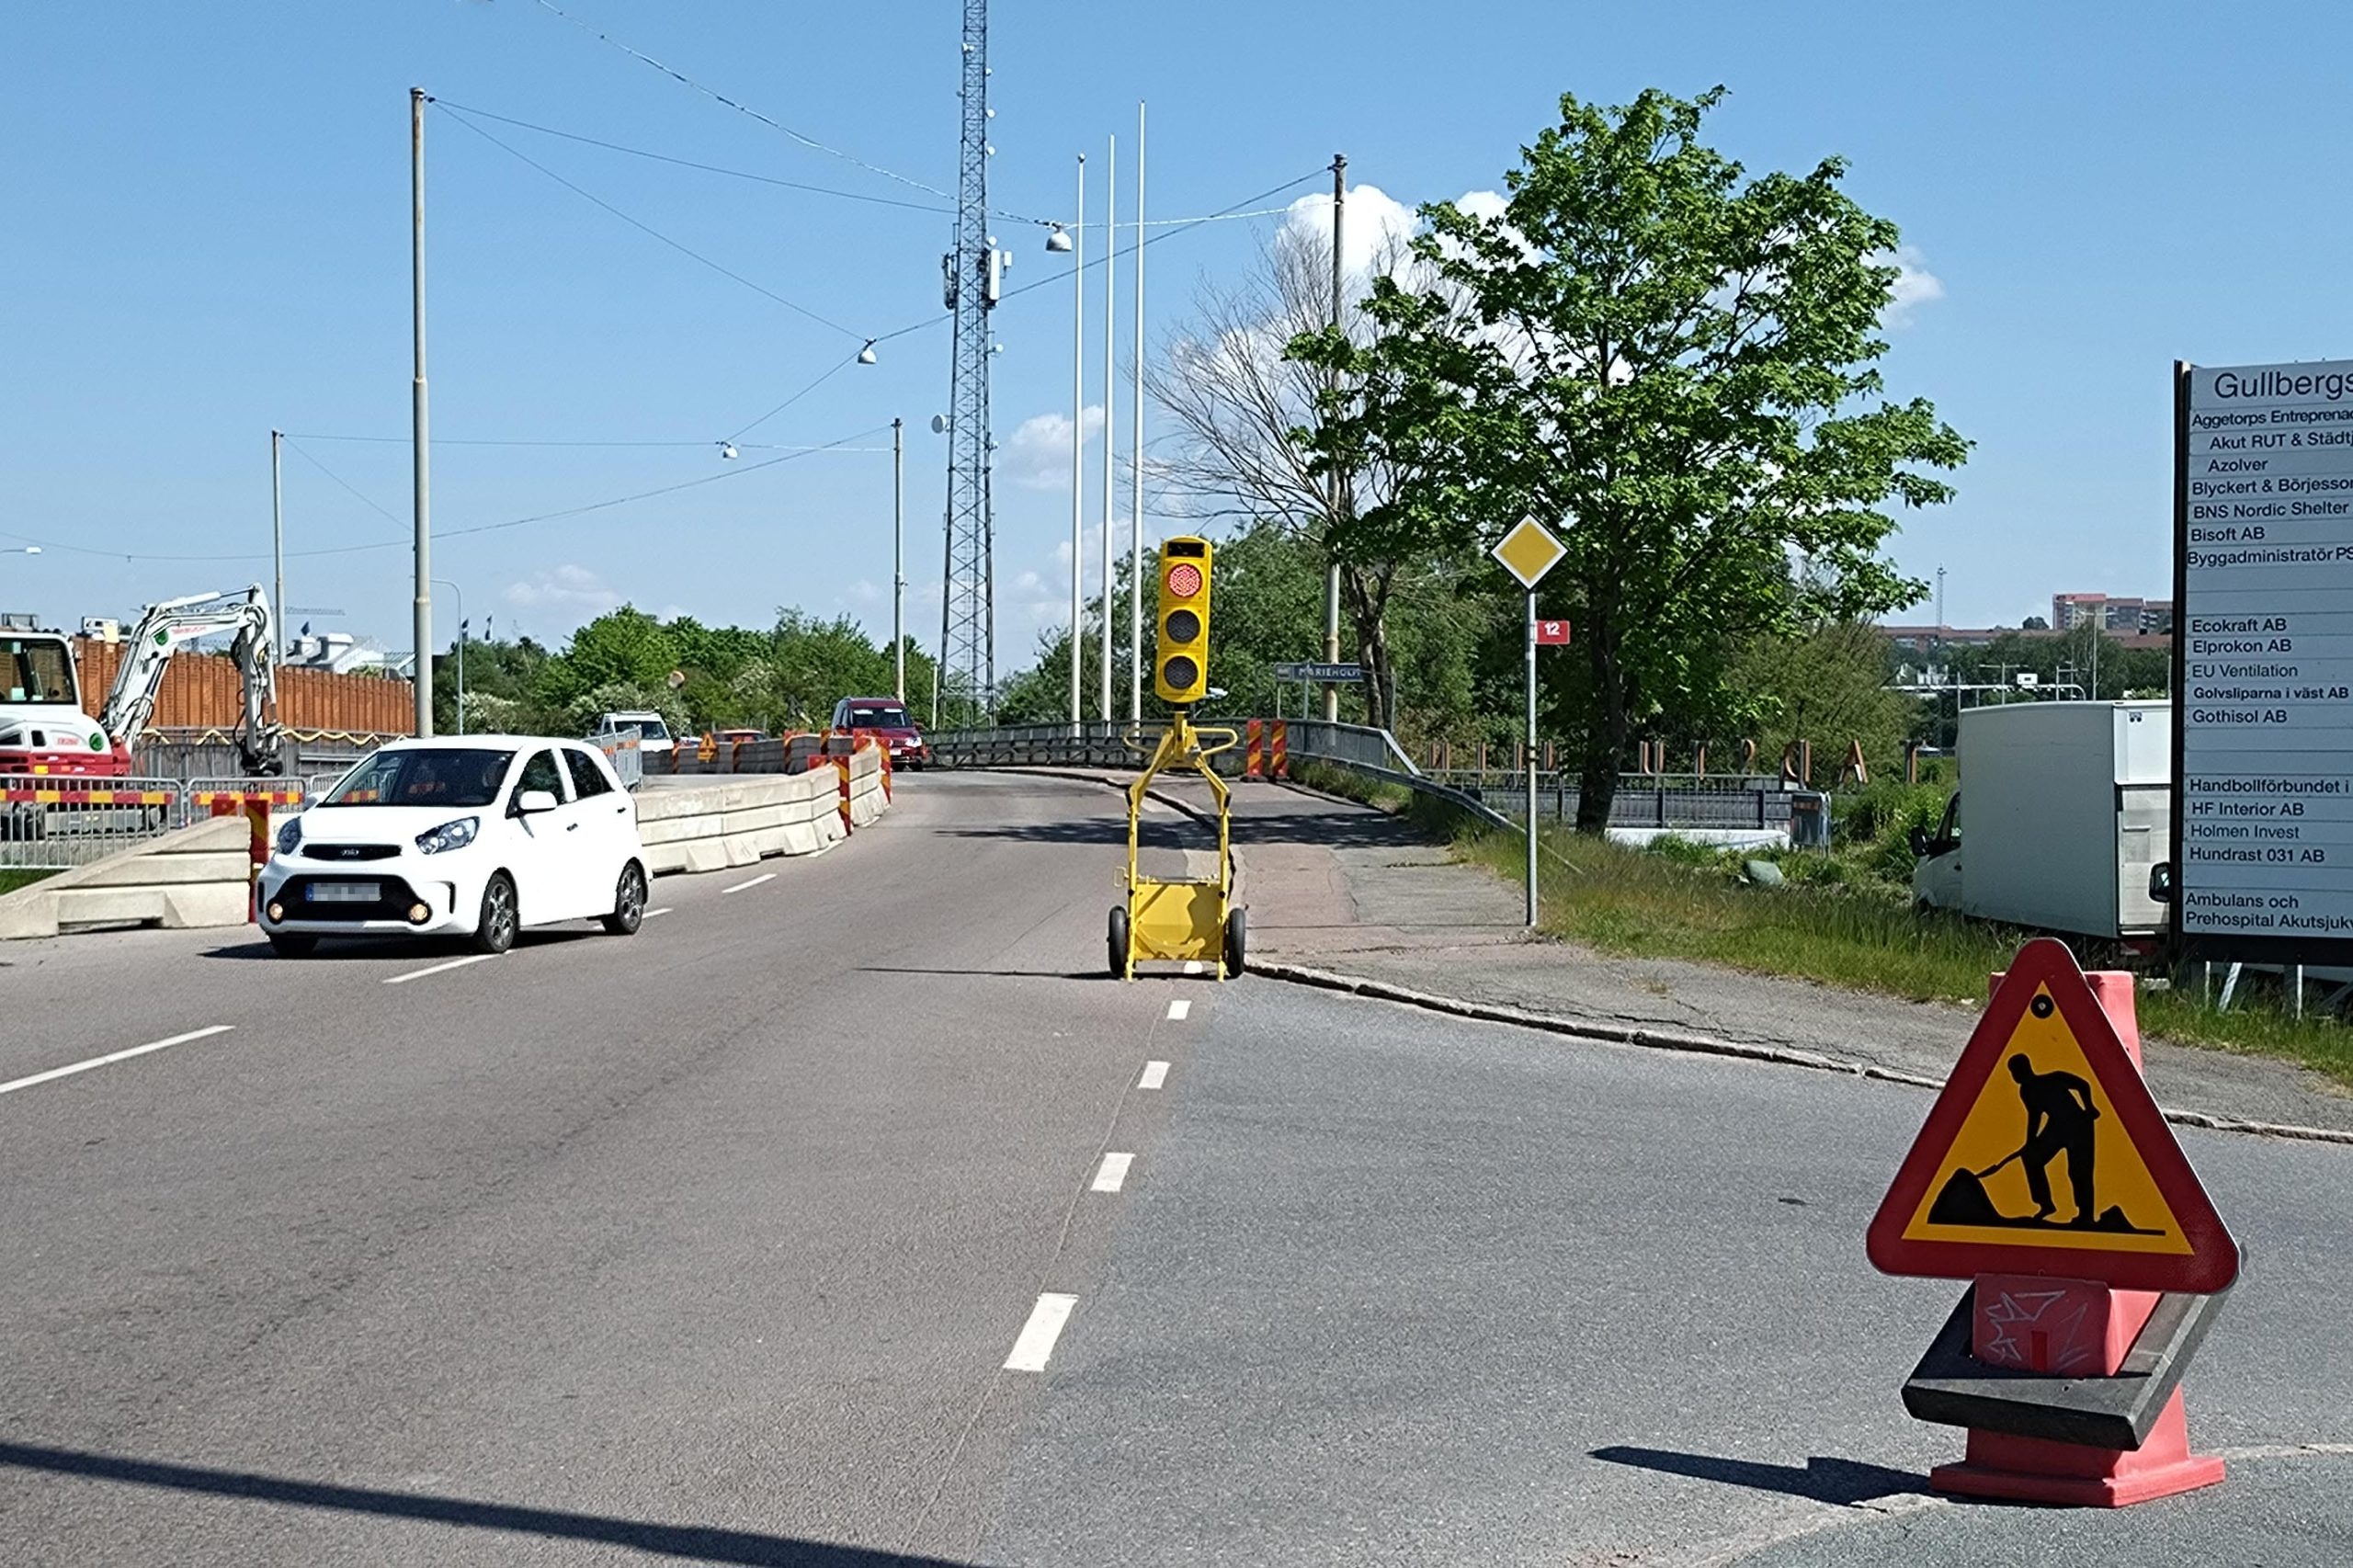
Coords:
pixel 651 913
pixel 1036 1345
pixel 11 1086
pixel 1194 966
pixel 1179 1008
pixel 440 968
pixel 1113 1175
pixel 755 882
pixel 1155 1075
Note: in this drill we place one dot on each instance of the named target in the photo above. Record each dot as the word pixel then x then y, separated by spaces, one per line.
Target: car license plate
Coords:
pixel 342 893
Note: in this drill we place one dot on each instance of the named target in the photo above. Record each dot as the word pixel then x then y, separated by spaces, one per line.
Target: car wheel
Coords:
pixel 500 917
pixel 1237 922
pixel 292 946
pixel 629 902
pixel 1116 945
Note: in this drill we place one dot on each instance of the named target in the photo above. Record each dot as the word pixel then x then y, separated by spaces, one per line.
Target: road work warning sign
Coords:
pixel 2045 1154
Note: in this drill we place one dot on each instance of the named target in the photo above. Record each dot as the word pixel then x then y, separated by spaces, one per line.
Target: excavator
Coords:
pixel 44 731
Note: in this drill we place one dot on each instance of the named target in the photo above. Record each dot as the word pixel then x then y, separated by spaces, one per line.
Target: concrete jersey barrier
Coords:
pixel 744 819
pixel 194 876
pixel 200 876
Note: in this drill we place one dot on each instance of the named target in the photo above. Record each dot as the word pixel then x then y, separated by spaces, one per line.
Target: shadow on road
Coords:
pixel 993 974
pixel 343 949
pixel 701 1543
pixel 1842 1482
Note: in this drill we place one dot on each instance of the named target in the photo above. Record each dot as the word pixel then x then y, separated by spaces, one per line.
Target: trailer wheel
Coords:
pixel 1236 926
pixel 1116 945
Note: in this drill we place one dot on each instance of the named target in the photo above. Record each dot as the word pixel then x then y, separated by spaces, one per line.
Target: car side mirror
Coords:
pixel 2161 882
pixel 1920 842
pixel 531 802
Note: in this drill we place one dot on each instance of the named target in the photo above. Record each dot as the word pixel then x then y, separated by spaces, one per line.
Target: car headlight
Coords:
pixel 290 833
pixel 449 835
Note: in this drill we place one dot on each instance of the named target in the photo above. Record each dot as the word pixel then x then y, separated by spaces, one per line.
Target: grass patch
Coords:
pixel 12 878
pixel 1833 924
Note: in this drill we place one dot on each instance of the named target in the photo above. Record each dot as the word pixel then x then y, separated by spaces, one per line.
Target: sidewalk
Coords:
pixel 1341 890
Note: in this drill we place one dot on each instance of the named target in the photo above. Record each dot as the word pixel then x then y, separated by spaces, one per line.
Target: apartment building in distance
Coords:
pixel 2114 613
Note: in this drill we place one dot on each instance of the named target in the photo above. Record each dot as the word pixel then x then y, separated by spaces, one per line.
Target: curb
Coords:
pixel 1710 1045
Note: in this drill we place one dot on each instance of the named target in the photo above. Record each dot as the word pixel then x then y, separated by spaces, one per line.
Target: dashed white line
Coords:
pixel 1179 1008
pixel 1036 1345
pixel 1155 1075
pixel 755 882
pixel 11 1086
pixel 651 913
pixel 439 968
pixel 1113 1173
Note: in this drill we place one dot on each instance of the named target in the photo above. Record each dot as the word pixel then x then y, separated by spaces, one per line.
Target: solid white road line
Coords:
pixel 651 913
pixel 1155 1075
pixel 440 968
pixel 1179 1008
pixel 1031 1351
pixel 755 882
pixel 11 1086
pixel 1113 1175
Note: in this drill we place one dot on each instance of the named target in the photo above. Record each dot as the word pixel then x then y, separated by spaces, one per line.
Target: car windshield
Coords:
pixel 424 776
pixel 877 716
pixel 35 672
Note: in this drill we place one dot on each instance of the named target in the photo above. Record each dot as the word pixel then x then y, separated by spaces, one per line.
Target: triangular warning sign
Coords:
pixel 2045 1154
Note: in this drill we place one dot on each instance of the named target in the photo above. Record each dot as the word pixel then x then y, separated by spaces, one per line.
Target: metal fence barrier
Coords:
pixel 53 822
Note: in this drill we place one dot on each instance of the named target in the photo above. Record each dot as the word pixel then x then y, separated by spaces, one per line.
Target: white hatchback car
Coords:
pixel 478 835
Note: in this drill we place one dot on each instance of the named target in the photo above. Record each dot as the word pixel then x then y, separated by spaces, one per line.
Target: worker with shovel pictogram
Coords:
pixel 2059 1117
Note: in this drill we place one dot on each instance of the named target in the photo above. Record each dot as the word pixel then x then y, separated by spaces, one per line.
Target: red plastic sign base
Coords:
pixel 2036 1469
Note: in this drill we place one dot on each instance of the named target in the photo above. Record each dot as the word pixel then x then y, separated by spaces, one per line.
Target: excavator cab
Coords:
pixel 42 727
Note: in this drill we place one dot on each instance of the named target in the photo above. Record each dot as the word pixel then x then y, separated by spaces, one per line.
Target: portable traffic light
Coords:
pixel 1181 664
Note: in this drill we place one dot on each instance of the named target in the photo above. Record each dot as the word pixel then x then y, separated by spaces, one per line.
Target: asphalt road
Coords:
pixel 713 1244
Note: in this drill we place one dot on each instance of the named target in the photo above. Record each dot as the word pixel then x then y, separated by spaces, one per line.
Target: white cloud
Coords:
pixel 1036 457
pixel 567 587
pixel 1915 284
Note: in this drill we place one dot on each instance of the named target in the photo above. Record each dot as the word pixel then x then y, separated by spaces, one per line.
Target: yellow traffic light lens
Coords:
pixel 1185 581
pixel 1184 626
pixel 1180 671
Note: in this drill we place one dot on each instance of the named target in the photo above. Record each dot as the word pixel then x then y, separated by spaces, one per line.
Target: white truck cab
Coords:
pixel 653 737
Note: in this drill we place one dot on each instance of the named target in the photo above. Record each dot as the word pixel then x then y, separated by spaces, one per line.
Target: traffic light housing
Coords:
pixel 1180 664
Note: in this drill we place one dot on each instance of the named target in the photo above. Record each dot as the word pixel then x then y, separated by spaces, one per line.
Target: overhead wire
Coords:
pixel 936 209
pixel 1230 211
pixel 364 498
pixel 932 206
pixel 460 116
pixel 439 534
pixel 527 441
pixel 744 109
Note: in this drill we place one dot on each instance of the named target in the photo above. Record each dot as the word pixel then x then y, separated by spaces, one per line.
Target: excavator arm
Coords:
pixel 162 631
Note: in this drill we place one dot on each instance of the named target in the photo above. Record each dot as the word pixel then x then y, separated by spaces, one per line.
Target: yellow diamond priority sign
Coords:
pixel 1529 551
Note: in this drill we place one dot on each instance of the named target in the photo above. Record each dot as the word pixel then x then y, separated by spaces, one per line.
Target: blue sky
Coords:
pixel 207 238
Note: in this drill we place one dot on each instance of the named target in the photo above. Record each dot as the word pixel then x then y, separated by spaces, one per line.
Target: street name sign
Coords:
pixel 2045 1154
pixel 1528 551
pixel 2262 662
pixel 1337 675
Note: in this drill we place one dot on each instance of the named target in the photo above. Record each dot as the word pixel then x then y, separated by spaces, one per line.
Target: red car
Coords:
pixel 887 718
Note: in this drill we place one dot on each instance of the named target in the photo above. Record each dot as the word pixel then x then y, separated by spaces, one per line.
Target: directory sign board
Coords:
pixel 2263 661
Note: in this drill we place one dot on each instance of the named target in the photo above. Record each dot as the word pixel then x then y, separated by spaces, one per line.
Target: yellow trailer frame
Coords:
pixel 1177 920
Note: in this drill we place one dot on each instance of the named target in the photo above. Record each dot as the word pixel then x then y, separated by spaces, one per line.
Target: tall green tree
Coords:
pixel 1674 366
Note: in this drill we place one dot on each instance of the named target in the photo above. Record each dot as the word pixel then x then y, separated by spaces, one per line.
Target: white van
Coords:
pixel 653 736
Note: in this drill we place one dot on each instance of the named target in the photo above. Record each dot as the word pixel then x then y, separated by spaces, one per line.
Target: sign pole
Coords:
pixel 1531 759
